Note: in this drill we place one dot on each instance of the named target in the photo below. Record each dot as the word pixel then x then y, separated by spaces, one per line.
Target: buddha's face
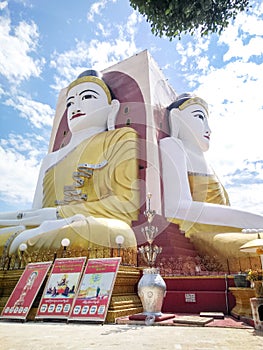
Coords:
pixel 87 107
pixel 194 126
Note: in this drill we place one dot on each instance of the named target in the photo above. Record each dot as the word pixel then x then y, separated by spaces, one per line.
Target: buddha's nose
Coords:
pixel 76 111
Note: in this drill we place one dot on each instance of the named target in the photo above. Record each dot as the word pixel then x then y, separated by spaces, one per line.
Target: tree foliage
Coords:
pixel 174 17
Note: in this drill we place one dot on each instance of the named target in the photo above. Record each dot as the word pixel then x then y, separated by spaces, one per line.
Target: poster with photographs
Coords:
pixel 92 300
pixel 61 287
pixel 26 290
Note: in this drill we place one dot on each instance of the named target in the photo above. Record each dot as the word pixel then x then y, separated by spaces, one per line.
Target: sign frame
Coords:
pixel 92 300
pixel 60 289
pixel 23 295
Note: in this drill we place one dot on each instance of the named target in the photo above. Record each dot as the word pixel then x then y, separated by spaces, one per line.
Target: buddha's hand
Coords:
pixel 28 217
pixel 44 227
pixel 49 225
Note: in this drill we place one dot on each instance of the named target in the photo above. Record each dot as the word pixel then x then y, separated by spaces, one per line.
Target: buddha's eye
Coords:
pixel 69 104
pixel 199 115
pixel 88 97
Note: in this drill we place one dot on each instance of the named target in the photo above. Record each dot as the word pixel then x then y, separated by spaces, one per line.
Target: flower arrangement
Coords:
pixel 255 275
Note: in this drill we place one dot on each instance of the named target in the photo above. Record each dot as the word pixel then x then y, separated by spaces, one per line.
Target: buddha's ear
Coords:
pixel 115 106
pixel 174 122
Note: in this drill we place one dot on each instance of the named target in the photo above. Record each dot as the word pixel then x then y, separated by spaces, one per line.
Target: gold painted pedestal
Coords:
pixel 242 296
pixel 124 300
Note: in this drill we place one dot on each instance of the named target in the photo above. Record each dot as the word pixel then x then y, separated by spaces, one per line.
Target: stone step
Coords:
pixel 192 320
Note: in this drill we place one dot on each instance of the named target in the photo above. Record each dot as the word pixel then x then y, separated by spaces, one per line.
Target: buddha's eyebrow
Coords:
pixel 82 92
pixel 198 110
pixel 69 98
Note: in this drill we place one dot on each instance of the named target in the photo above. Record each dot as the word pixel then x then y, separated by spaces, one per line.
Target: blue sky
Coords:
pixel 45 44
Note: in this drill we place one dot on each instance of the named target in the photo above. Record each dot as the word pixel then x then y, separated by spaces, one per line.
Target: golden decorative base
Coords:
pixel 124 300
pixel 242 296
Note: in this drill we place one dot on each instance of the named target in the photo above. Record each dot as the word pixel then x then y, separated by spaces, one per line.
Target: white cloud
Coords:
pixel 25 3
pixel 237 49
pixel 103 31
pixel 251 22
pixel 97 54
pixel 19 168
pixel 3 5
pixel 17 44
pixel 193 48
pixel 104 54
pixel 30 143
pixel 249 43
pixel 95 9
pixel 194 60
pixel 250 195
pixel 39 114
pixel 69 64
pixel 234 95
pixel 258 7
pixel 133 20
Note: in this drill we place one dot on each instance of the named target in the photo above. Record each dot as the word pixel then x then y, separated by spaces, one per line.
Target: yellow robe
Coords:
pixel 112 193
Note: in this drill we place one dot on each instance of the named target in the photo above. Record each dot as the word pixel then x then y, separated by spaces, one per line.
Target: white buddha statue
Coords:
pixel 86 191
pixel 193 196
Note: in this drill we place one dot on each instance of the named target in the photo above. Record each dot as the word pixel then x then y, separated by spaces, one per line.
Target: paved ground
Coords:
pixel 61 336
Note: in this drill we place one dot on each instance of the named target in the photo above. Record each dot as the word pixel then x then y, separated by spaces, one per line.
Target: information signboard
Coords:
pixel 25 291
pixel 61 287
pixel 92 300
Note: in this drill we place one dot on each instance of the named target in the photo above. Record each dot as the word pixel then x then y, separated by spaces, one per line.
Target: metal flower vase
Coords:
pixel 151 290
pixel 151 287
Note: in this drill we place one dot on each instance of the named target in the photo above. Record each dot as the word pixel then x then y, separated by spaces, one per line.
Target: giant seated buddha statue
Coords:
pixel 87 191
pixel 194 198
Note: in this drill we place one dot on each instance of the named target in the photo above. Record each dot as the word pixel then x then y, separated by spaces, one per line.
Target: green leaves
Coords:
pixel 174 17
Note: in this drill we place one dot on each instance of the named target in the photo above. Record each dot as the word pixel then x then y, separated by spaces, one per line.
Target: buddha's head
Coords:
pixel 90 103
pixel 188 119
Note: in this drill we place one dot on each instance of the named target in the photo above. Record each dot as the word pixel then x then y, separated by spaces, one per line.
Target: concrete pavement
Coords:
pixel 72 336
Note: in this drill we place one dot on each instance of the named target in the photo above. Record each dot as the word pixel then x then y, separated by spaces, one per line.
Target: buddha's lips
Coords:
pixel 77 115
pixel 207 137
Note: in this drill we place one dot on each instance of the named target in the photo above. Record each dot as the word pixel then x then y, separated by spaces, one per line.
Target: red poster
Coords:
pixel 61 288
pixel 22 297
pixel 94 294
